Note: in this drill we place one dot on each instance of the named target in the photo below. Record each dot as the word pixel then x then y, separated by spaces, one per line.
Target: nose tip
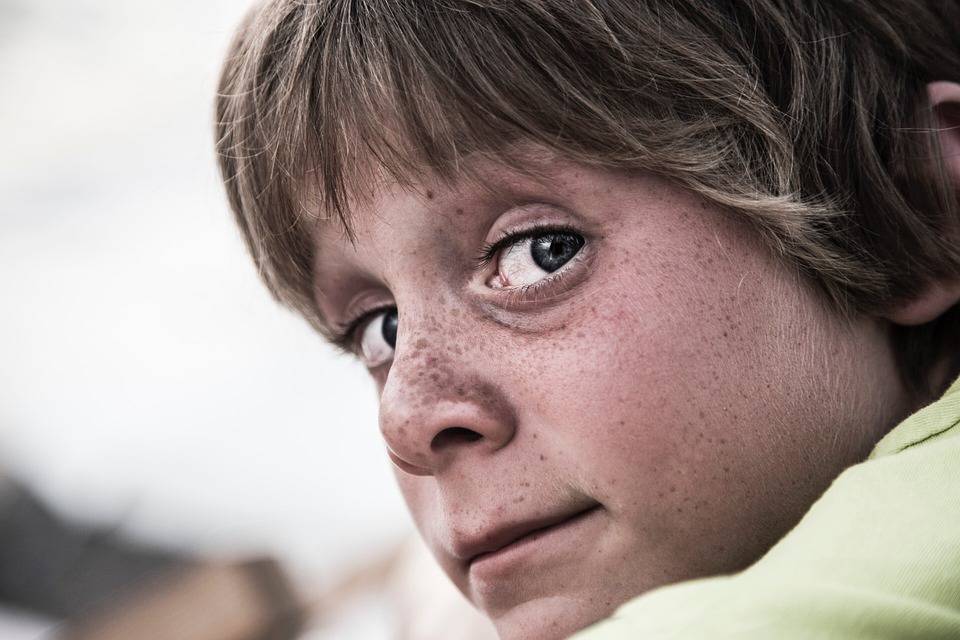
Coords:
pixel 427 428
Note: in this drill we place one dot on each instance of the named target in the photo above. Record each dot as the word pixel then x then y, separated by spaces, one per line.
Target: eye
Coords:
pixel 529 259
pixel 379 338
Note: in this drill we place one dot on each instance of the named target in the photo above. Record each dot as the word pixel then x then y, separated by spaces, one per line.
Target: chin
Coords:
pixel 552 618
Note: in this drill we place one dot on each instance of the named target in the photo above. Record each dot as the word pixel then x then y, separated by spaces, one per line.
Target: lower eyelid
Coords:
pixel 568 275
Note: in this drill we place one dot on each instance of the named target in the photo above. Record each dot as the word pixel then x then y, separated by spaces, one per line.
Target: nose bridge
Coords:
pixel 439 402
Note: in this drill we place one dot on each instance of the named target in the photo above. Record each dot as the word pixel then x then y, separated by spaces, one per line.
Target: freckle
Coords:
pixel 673 489
pixel 459 212
pixel 429 195
pixel 726 469
pixel 542 457
pixel 534 436
pixel 623 423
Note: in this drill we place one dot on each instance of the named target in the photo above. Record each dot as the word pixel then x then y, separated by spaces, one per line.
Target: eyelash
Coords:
pixel 529 292
pixel 346 338
pixel 510 238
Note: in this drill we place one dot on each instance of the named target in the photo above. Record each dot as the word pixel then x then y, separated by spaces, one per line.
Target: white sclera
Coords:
pixel 517 267
pixel 373 347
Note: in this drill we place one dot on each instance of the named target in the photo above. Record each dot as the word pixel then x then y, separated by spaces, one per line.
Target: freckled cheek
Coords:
pixel 612 389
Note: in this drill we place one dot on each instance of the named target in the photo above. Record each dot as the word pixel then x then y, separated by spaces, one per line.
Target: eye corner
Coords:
pixel 534 254
pixel 360 339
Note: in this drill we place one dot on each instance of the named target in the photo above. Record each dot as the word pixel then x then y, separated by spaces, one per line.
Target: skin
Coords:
pixel 678 379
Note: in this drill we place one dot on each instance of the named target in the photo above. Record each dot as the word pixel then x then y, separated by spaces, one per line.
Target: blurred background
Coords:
pixel 148 384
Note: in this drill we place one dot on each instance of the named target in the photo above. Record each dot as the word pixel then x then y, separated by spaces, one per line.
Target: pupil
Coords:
pixel 553 250
pixel 389 328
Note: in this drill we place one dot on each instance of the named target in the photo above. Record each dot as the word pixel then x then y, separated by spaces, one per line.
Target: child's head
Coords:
pixel 645 275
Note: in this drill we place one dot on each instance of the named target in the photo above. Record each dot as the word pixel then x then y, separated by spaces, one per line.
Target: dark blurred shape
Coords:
pixel 106 588
pixel 52 567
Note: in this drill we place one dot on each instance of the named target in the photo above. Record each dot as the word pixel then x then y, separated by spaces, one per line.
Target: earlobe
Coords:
pixel 945 101
pixel 939 296
pixel 935 300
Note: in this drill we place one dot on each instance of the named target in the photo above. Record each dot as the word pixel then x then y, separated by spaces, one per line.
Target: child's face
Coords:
pixel 663 401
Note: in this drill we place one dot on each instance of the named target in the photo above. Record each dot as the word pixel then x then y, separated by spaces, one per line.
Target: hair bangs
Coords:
pixel 797 117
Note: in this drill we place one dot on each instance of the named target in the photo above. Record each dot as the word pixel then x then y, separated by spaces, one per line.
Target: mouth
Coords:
pixel 500 541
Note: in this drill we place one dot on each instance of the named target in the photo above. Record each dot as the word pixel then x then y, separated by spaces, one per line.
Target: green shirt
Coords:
pixel 877 556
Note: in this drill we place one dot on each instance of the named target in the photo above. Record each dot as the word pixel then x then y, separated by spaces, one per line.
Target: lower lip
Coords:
pixel 558 539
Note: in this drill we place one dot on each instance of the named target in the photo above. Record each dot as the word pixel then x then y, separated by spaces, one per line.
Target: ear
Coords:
pixel 945 102
pixel 930 304
pixel 939 296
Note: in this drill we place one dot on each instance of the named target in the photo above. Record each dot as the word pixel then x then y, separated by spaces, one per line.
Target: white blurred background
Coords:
pixel 147 380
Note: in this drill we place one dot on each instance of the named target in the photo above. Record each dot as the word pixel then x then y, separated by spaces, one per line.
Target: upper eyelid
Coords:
pixel 510 237
pixel 346 334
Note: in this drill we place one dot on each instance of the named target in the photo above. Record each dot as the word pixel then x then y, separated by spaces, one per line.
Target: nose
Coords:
pixel 436 412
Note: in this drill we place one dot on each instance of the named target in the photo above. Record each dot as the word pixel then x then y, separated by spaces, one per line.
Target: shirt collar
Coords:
pixel 931 421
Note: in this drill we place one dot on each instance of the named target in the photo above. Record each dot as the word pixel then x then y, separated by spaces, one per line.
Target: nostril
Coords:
pixel 452 436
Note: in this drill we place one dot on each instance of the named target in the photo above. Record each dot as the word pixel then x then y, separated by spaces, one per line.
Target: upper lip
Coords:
pixel 497 537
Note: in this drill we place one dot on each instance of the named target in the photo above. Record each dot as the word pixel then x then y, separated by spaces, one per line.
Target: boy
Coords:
pixel 636 280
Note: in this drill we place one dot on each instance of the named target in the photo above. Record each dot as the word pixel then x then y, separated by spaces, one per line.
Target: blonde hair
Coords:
pixel 808 117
